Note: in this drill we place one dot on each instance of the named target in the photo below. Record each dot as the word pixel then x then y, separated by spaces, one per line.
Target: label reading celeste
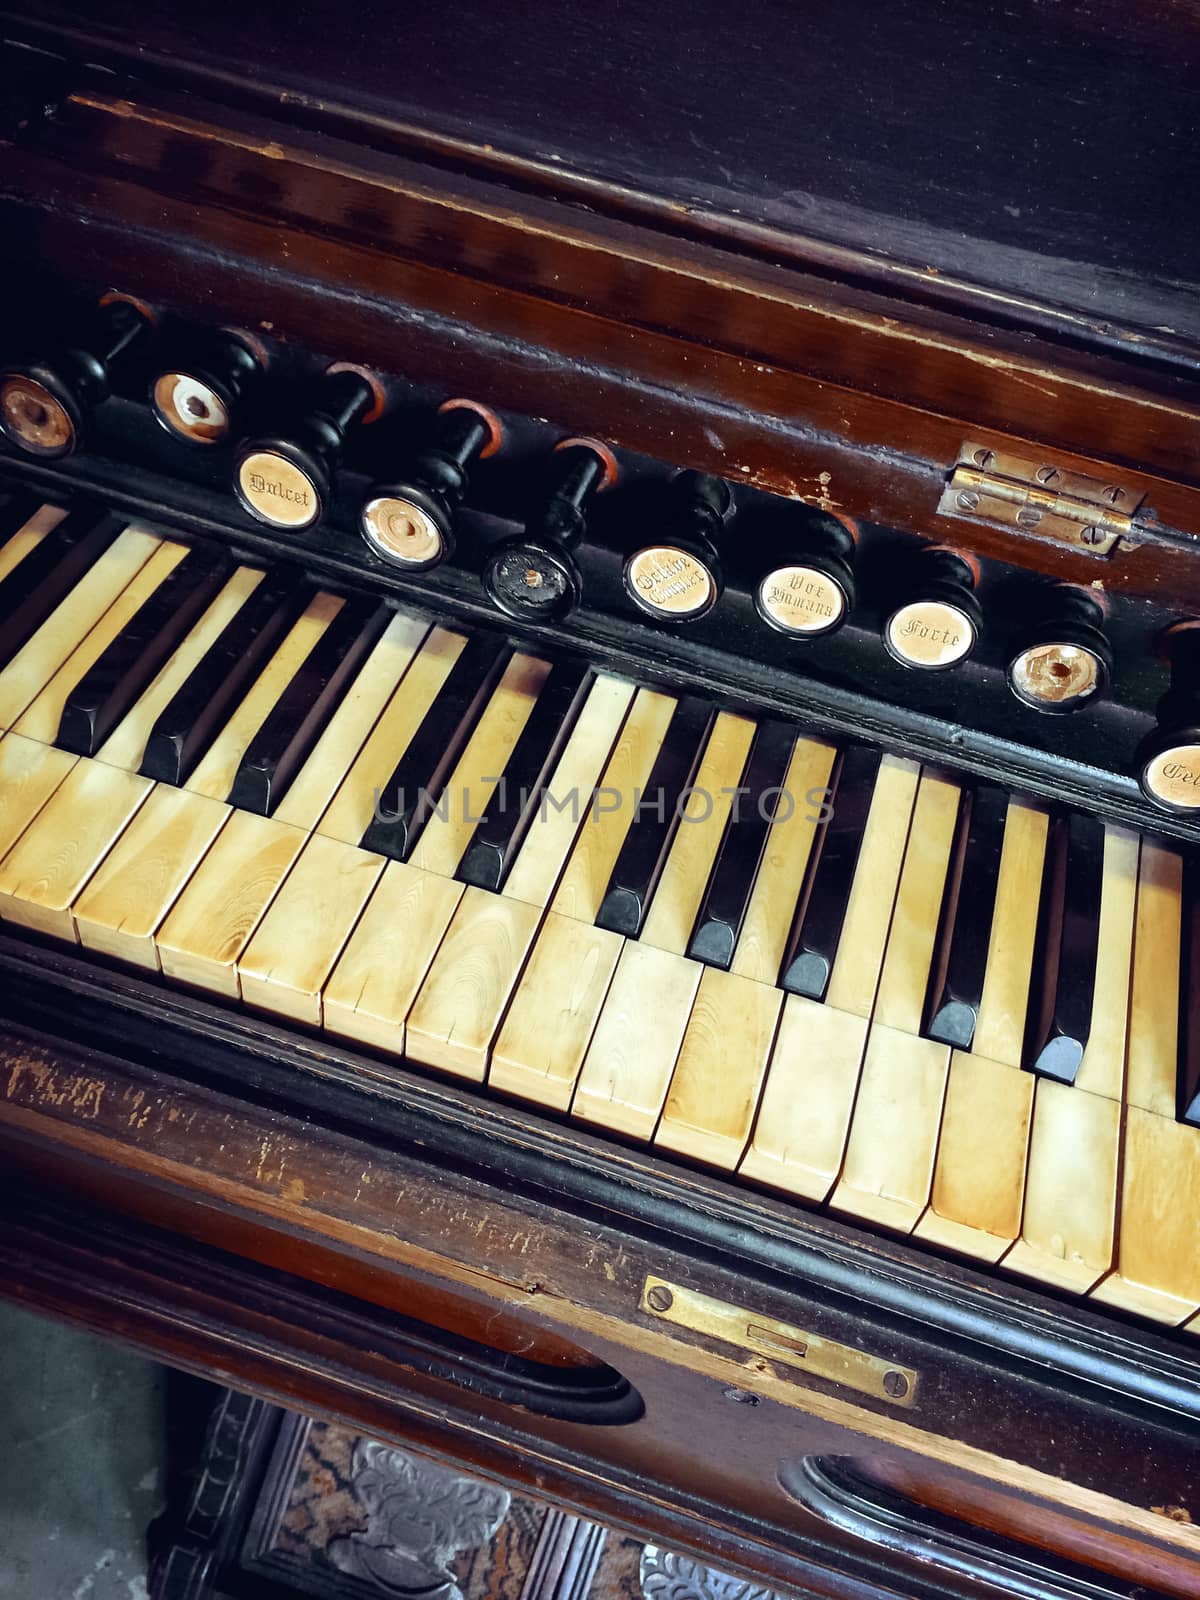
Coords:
pixel 801 600
pixel 670 581
pixel 930 633
pixel 1174 777
pixel 277 491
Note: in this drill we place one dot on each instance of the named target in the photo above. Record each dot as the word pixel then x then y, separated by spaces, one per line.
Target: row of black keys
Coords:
pixel 1069 907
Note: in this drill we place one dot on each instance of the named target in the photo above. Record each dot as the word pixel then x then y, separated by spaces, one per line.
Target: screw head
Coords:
pixel 1049 476
pixel 984 458
pixel 895 1384
pixel 1028 517
pixel 968 500
pixel 1113 493
pixel 660 1298
pixel 1091 535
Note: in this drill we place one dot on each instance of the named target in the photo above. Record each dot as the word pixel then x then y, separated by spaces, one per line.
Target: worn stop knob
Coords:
pixel 286 479
pixel 411 521
pixel 198 397
pixel 46 406
pixel 1063 660
pixel 534 576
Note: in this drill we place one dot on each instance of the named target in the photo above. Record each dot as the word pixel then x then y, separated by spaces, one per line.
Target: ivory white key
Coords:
pixel 762 943
pixel 718 1077
pixel 556 824
pixel 550 1022
pixel 148 867
pixel 207 927
pixel 353 806
pixel 635 1057
pixel 473 781
pixel 469 984
pixel 384 962
pixel 979 1178
pixel 321 899
pixel 57 854
pixel 126 744
pixel 607 822
pixel 799 1137
pixel 1152 1057
pixel 329 885
pixel 1156 1269
pixel 1069 1221
pixel 29 774
pixel 27 537
pixel 1157 1259
pixel 544 1063
pixel 141 877
pixel 218 766
pixel 677 897
pixel 626 1073
pixel 888 1167
pixel 33 666
pixel 41 718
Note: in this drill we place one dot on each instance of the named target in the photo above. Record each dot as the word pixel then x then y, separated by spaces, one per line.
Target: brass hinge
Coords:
pixel 1039 498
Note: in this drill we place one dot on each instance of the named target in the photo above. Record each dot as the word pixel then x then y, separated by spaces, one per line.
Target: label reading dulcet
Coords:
pixel 277 491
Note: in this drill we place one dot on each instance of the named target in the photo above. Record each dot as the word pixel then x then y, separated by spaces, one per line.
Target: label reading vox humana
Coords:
pixel 802 600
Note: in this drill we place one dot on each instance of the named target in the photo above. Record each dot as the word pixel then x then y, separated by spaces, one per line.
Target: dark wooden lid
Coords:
pixel 1033 160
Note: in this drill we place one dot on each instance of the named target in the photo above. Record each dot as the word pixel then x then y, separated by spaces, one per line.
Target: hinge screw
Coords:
pixel 1049 476
pixel 659 1298
pixel 1113 493
pixel 968 500
pixel 985 458
pixel 1092 535
pixel 1028 517
pixel 895 1384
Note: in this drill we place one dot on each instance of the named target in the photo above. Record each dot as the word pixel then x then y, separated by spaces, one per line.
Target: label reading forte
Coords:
pixel 930 633
pixel 801 600
pixel 1174 777
pixel 670 581
pixel 277 491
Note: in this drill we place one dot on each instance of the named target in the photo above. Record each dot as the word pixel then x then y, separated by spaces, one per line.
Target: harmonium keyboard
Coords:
pixel 600 758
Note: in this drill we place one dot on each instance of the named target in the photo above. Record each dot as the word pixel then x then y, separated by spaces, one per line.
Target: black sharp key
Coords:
pixel 731 881
pixel 643 854
pixel 39 583
pixel 830 877
pixel 296 721
pixel 113 683
pixel 1064 962
pixel 186 727
pixel 965 926
pixel 1189 992
pixel 411 793
pixel 528 770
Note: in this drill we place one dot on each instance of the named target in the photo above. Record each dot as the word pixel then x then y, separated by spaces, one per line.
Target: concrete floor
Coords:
pixel 81 1460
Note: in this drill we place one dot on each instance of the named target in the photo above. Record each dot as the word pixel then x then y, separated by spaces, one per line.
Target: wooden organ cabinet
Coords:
pixel 600 755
